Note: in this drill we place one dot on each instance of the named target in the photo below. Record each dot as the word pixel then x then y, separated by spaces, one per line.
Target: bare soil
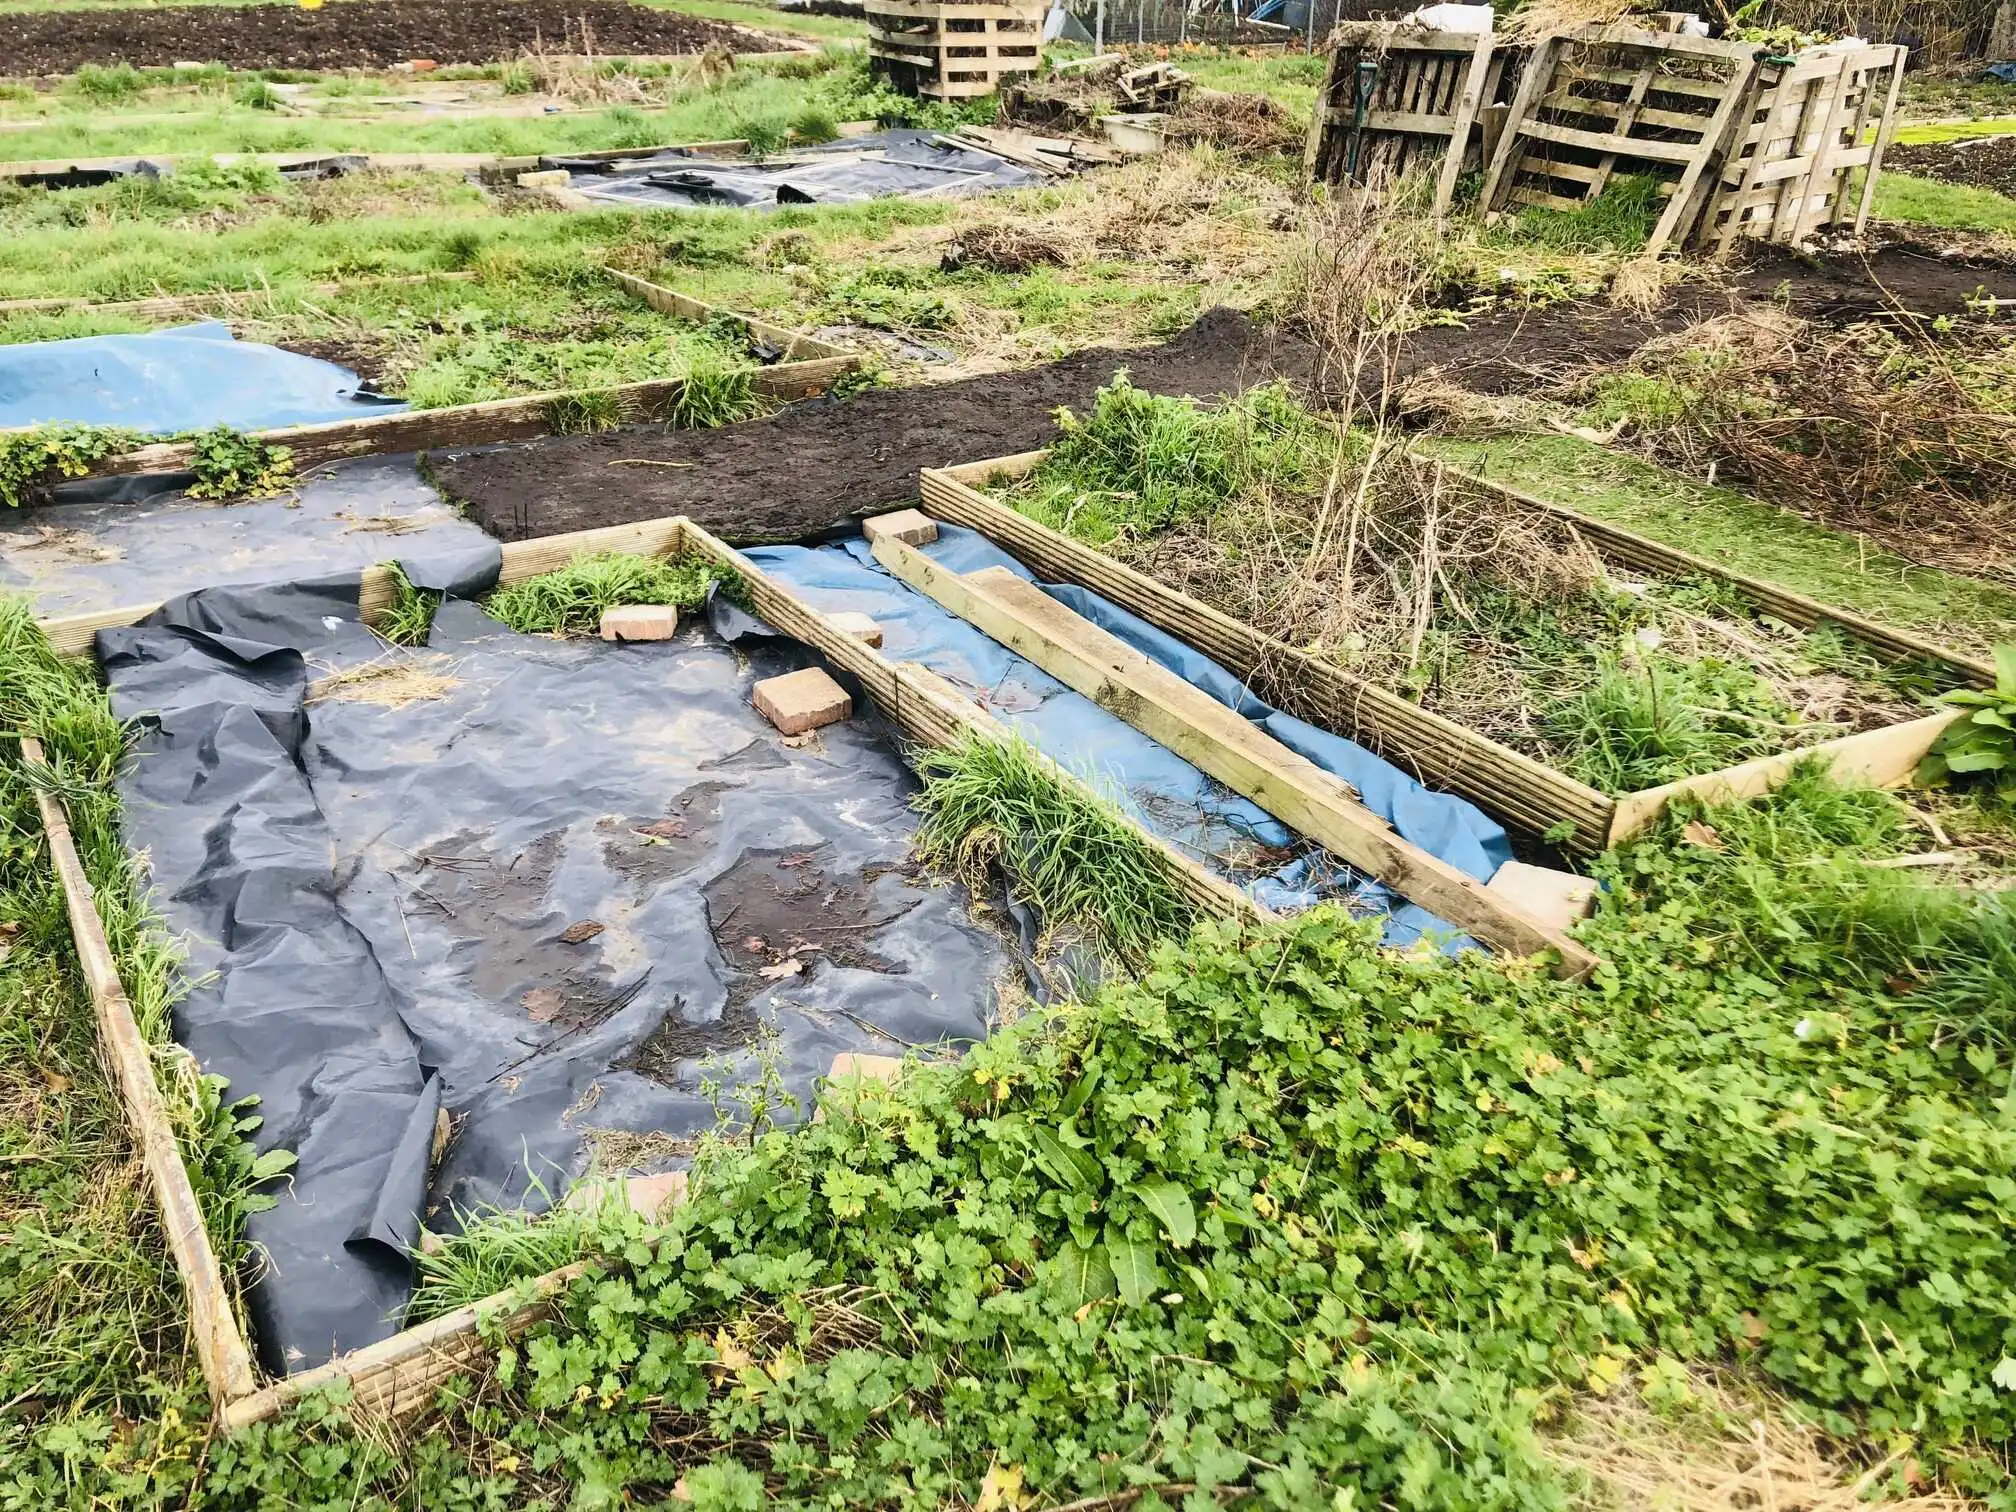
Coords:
pixel 818 466
pixel 353 34
pixel 1987 162
pixel 1512 350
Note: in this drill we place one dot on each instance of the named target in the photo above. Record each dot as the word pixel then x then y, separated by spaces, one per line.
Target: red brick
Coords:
pixel 801 701
pixel 912 527
pixel 640 622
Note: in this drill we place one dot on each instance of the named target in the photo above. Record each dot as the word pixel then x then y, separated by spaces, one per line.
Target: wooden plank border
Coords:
pixel 221 1351
pixel 1526 794
pixel 797 345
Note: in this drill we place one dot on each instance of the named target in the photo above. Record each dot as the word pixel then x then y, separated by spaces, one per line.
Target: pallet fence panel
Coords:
pixel 1398 100
pixel 1605 99
pixel 1522 792
pixel 221 1351
pixel 954 49
pixel 1815 123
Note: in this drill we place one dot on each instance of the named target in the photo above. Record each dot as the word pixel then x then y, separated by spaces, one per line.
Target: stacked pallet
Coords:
pixel 1399 100
pixel 954 49
pixel 1741 143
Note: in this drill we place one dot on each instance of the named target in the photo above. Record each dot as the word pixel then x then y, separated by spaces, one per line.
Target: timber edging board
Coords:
pixel 400 1374
pixel 221 1352
pixel 1515 788
pixel 517 419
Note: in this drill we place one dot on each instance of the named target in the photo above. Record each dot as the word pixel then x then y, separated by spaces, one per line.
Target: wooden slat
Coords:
pixel 1224 745
pixel 796 345
pixel 401 1375
pixel 1525 793
pixel 1612 142
pixel 1468 101
pixel 213 1327
pixel 1880 758
pixel 476 424
pixel 1886 129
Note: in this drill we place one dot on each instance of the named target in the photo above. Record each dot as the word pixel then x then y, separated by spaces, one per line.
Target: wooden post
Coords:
pixel 220 1346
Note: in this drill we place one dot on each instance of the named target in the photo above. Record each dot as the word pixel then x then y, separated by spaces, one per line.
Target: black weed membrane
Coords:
pixel 466 914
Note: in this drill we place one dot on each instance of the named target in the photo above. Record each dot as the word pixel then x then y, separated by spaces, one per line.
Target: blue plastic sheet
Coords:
pixel 188 378
pixel 1168 795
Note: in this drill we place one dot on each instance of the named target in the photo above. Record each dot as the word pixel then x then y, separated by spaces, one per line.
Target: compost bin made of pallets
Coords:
pixel 1743 142
pixel 952 50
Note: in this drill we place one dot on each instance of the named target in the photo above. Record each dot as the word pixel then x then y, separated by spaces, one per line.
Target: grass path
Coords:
pixel 1745 535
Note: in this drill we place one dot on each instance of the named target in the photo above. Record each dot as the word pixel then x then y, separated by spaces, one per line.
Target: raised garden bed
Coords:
pixel 1632 623
pixel 783 365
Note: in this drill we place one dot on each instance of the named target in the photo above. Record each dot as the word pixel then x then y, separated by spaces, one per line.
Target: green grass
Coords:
pixel 1619 219
pixel 92 1301
pixel 760 17
pixel 991 804
pixel 570 599
pixel 1956 207
pixel 1744 535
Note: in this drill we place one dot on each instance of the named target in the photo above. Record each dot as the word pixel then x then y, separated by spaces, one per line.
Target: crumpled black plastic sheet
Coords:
pixel 378 898
pixel 900 162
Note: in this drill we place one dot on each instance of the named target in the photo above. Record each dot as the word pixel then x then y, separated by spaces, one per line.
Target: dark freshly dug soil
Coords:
pixel 1987 162
pixel 352 34
pixel 819 465
pixel 1510 350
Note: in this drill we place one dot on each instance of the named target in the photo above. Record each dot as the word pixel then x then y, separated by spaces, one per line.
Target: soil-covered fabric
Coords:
pixel 465 917
pixel 353 34
pixel 820 465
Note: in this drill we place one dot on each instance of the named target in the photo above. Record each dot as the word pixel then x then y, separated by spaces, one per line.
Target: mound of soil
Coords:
pixel 1987 162
pixel 353 34
pixel 820 465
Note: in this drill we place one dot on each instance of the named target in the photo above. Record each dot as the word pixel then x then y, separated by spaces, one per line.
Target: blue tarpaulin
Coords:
pixel 1168 795
pixel 188 378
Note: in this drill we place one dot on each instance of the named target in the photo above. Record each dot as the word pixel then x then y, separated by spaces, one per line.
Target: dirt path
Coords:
pixel 818 465
pixel 352 34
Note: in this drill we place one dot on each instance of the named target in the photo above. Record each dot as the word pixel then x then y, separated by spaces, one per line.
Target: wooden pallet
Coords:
pixel 1524 794
pixel 1400 101
pixel 953 51
pixel 1596 101
pixel 1812 124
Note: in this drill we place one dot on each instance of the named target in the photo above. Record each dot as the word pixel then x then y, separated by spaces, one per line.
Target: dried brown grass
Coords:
pixel 1729 1449
pixel 1248 123
pixel 391 682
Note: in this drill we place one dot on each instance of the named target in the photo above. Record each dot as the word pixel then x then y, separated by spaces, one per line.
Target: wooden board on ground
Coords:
pixel 221 1352
pixel 1224 745
pixel 529 415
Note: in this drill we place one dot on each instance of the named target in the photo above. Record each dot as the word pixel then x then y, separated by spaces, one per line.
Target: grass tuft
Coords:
pixel 570 600
pixel 992 804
